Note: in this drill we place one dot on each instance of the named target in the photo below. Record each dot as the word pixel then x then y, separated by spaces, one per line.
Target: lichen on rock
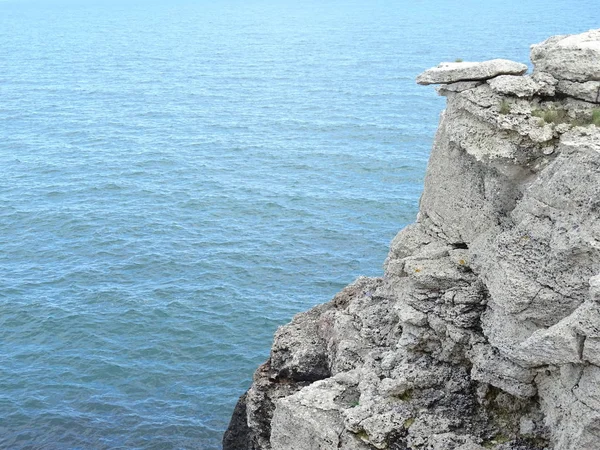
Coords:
pixel 484 331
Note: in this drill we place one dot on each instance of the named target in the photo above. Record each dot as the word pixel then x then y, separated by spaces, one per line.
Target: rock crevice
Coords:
pixel 484 331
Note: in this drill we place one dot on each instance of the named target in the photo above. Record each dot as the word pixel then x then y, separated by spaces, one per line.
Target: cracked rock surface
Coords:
pixel 484 331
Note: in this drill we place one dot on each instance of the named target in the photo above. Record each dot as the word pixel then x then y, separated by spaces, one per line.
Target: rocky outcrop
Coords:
pixel 467 71
pixel 484 331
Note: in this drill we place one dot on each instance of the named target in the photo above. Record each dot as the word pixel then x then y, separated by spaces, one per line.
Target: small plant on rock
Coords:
pixel 406 395
pixel 551 115
pixel 557 116
pixel 504 107
pixel 596 117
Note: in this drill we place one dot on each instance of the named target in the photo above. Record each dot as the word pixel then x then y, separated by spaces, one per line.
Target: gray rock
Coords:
pixel 524 86
pixel 452 72
pixel 588 91
pixel 299 352
pixel 491 367
pixel 595 288
pixel 575 424
pixel 591 351
pixel 480 194
pixel 537 271
pixel 573 57
pixel 309 419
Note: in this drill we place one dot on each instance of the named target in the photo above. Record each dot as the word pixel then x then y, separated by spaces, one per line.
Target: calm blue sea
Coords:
pixel 178 178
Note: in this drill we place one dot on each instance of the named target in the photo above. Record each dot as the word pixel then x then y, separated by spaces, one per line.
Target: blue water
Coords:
pixel 178 178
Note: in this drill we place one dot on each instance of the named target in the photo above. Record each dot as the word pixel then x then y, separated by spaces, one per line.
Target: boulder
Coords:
pixel 572 57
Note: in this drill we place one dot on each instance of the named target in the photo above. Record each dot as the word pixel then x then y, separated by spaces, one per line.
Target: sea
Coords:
pixel 178 178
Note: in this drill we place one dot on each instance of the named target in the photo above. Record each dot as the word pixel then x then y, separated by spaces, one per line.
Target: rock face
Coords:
pixel 484 331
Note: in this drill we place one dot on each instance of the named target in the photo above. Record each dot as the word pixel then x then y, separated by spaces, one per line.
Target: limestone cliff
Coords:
pixel 484 331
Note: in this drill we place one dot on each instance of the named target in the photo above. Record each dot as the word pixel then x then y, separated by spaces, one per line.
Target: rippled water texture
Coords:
pixel 179 178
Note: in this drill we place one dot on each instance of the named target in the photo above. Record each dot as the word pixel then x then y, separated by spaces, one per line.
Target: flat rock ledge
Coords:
pixel 451 72
pixel 484 331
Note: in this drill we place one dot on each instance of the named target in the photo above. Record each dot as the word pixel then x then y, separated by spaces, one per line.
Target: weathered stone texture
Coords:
pixel 573 57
